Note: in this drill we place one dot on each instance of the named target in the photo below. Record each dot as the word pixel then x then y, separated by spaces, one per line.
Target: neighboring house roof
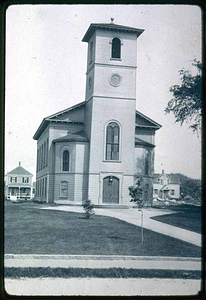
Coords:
pixel 19 171
pixel 54 118
pixel 164 188
pixel 143 143
pixel 174 179
pixel 110 27
pixel 79 136
pixel 143 121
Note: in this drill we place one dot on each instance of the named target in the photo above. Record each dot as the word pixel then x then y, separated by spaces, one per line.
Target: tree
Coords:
pixel 186 104
pixel 136 192
pixel 190 187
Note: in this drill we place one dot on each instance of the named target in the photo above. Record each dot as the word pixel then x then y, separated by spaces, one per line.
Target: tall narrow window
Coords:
pixel 112 141
pixel 147 163
pixel 40 158
pixel 90 51
pixel 65 161
pixel 146 192
pixel 37 160
pixel 40 188
pixel 44 154
pixel 116 48
pixel 36 191
pixel 45 187
pixel 47 151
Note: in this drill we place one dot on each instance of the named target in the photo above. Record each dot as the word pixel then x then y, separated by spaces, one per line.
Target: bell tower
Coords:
pixel 110 110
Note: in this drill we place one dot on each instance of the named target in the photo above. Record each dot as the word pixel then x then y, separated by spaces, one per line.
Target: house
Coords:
pixel 94 148
pixel 166 186
pixel 19 183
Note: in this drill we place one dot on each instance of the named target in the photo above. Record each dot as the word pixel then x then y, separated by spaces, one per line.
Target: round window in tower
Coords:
pixel 115 80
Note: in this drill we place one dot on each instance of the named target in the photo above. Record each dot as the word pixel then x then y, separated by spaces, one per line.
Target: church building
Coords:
pixel 94 149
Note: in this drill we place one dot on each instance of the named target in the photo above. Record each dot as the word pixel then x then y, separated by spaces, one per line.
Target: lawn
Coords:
pixel 30 230
pixel 187 217
pixel 99 273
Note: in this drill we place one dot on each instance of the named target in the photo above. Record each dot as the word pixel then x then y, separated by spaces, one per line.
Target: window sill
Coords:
pixel 112 161
pixel 118 59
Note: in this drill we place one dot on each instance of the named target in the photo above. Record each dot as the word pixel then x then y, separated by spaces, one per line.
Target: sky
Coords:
pixel 46 66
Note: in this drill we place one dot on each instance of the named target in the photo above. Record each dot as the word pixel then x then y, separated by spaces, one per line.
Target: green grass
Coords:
pixel 99 273
pixel 30 230
pixel 187 217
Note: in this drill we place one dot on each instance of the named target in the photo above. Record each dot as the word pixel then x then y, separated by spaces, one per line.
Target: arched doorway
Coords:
pixel 111 190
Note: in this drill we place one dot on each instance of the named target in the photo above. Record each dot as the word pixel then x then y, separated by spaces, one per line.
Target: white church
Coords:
pixel 94 149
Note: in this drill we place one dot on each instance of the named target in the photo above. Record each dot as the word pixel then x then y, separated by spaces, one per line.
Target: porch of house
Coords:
pixel 19 192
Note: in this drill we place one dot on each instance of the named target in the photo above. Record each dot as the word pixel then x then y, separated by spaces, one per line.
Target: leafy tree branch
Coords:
pixel 186 104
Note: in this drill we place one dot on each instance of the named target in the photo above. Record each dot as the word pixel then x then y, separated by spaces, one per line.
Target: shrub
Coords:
pixel 88 207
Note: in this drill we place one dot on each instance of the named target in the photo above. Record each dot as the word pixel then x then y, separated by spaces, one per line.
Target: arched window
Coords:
pixel 65 166
pixel 147 163
pixel 112 141
pixel 116 48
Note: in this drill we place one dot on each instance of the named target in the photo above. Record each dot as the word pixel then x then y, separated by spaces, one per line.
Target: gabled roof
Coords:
pixel 78 105
pixel 19 171
pixel 143 143
pixel 143 121
pixel 79 136
pixel 111 27
pixel 164 188
pixel 174 179
pixel 54 118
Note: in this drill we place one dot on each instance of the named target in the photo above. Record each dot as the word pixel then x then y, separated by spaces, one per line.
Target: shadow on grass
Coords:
pixel 187 217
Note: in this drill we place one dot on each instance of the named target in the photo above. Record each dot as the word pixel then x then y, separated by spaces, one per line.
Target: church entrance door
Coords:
pixel 111 190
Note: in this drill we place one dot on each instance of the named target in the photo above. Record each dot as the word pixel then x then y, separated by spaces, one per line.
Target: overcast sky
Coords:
pixel 46 66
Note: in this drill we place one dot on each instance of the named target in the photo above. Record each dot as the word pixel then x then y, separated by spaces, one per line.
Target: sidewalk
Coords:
pixel 102 262
pixel 133 216
pixel 101 287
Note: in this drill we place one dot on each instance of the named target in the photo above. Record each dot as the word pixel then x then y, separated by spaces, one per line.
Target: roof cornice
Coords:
pixel 141 142
pixel 49 119
pixel 110 27
pixel 155 125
